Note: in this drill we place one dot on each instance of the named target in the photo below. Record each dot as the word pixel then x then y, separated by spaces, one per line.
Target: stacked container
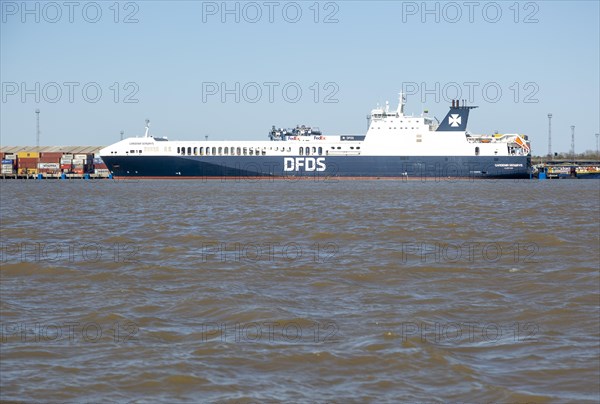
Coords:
pixel 99 167
pixel 66 163
pixel 28 163
pixel 78 165
pixel 7 166
pixel 81 163
pixel 49 163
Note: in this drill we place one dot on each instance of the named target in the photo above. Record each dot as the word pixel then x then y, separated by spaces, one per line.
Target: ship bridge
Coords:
pixel 383 121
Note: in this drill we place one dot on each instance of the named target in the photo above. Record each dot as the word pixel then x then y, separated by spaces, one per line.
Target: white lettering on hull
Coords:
pixel 306 163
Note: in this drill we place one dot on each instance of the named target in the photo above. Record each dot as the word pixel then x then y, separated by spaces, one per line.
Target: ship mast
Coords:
pixel 401 103
pixel 147 127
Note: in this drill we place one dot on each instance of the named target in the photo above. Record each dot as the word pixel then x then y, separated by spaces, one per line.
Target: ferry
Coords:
pixel 396 145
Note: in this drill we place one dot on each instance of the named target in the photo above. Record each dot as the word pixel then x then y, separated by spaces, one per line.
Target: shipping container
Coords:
pixel 55 155
pixel 65 166
pixel 28 171
pixel 102 171
pixel 78 161
pixel 100 166
pixel 28 154
pixel 81 156
pixel 49 160
pixel 26 162
pixel 49 166
pixel 67 156
pixel 66 161
pixel 4 161
pixel 77 170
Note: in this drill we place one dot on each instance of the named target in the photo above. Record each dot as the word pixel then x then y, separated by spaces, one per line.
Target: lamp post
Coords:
pixel 573 142
pixel 37 132
pixel 550 136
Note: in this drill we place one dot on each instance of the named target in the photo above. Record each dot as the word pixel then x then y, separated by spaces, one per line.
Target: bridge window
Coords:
pixel 189 151
pixel 220 151
pixel 178 150
pixel 307 150
pixel 195 151
pixel 320 150
pixel 251 151
pixel 301 150
pixel 214 151
pixel 202 151
pixel 245 151
pixel 477 151
pixel 226 151
pixel 239 151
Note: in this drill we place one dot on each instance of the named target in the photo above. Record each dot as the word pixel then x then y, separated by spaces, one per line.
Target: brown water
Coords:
pixel 347 291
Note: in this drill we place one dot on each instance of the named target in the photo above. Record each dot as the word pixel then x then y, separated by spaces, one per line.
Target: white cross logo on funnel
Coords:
pixel 454 120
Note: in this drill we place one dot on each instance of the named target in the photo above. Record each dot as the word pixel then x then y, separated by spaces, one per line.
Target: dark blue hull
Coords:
pixel 320 166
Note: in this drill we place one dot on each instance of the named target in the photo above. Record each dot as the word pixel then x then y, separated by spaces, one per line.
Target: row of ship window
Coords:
pixel 249 151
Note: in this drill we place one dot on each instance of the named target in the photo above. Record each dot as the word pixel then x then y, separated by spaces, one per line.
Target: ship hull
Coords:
pixel 319 166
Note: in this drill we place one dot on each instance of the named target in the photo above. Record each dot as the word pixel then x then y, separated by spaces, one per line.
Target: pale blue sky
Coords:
pixel 369 53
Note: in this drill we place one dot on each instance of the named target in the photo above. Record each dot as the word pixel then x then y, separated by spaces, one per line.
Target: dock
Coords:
pixel 52 162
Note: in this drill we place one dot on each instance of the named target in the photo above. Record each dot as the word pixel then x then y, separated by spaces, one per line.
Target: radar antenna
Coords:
pixel 147 127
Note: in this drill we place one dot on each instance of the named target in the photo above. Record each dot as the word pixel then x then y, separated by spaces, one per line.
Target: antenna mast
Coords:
pixel 573 142
pixel 37 133
pixel 550 136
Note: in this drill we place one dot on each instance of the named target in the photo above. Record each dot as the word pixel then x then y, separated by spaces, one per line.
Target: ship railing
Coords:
pixel 482 140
